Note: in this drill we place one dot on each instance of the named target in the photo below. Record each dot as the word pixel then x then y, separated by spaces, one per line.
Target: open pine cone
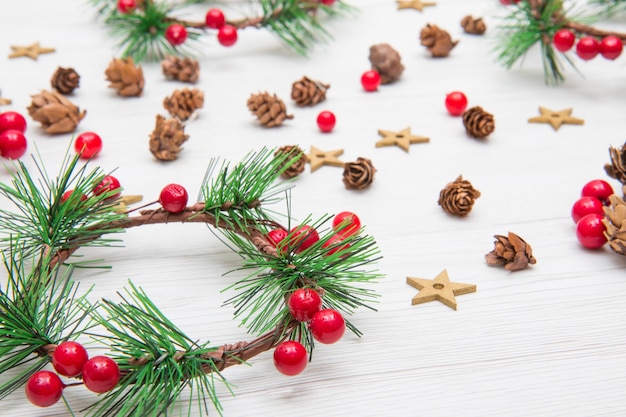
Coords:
pixel 297 167
pixel 124 76
pixel 457 198
pixel 183 103
pixel 167 138
pixel 617 168
pixel 438 42
pixel 308 92
pixel 358 175
pixel 186 70
pixel 473 26
pixel 478 123
pixel 615 223
pixel 65 80
pixel 55 113
pixel 513 252
pixel 269 109
pixel 387 62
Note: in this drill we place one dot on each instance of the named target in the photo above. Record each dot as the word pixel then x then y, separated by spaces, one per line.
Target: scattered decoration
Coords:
pixel 122 203
pixel 227 35
pixel 13 144
pixel 269 109
pixel 186 70
pixel 4 101
pixel 617 168
pixel 55 113
pixel 308 92
pixel 176 34
pixel 615 224
pixel 290 358
pixel 326 121
pixel 478 123
pixel 414 4
pixel 44 388
pixel 65 80
pixel 12 120
pixel 327 326
pixel 358 175
pixel 599 189
pixel 173 198
pixel 31 51
pixel 456 103
pixel 370 80
pixel 318 158
pixel 556 118
pixel 167 138
pixel 88 145
pixel 511 251
pixel 126 77
pixel 387 62
pixel 473 26
pixel 438 42
pixel 439 289
pixel 591 231
pixel 183 104
pixel 457 198
pixel 296 167
pixel 403 139
pixel 586 205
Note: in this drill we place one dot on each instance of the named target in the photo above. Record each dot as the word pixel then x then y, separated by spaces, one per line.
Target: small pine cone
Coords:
pixel 387 62
pixel 297 167
pixel 167 138
pixel 183 103
pixel 269 109
pixel 615 223
pixel 308 92
pixel 617 168
pixel 478 123
pixel 358 175
pixel 513 252
pixel 186 70
pixel 438 42
pixel 55 113
pixel 458 197
pixel 473 26
pixel 65 80
pixel 125 77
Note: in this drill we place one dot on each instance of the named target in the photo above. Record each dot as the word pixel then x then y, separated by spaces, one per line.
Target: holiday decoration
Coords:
pixel 5 101
pixel 12 120
pixel 511 251
pixel 414 4
pixel 55 113
pixel 556 118
pixel 290 358
pixel 108 186
pixel 183 104
pixel 173 198
pixel 32 51
pixel 591 231
pixel 100 374
pixel 122 203
pixel 439 289
pixel 438 42
pixel 456 103
pixel 586 205
pixel 301 238
pixel 318 158
pixel 457 198
pixel 127 6
pixel 587 48
pixel 326 121
pixel 214 18
pixel 44 388
pixel 65 80
pixel 611 47
pixel 615 224
pixel 176 34
pixel 327 326
pixel 12 144
pixel 473 26
pixel 167 138
pixel 227 35
pixel 478 123
pixel 88 144
pixel 358 175
pixel 370 80
pixel 308 92
pixel 294 161
pixel 186 70
pixel 599 189
pixel 68 358
pixel 387 62
pixel 616 169
pixel 124 76
pixel 304 303
pixel 269 109
pixel 346 223
pixel 403 139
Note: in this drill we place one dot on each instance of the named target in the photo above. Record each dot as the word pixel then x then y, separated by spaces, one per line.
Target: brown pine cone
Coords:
pixel 458 197
pixel 167 138
pixel 617 168
pixel 65 80
pixel 307 92
pixel 513 252
pixel 55 113
pixel 358 175
pixel 387 62
pixel 438 42
pixel 478 123
pixel 125 77
pixel 183 103
pixel 615 223
pixel 269 109
pixel 186 70
pixel 297 167
pixel 473 26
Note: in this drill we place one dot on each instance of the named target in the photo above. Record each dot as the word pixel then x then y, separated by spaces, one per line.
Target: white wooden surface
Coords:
pixel 547 341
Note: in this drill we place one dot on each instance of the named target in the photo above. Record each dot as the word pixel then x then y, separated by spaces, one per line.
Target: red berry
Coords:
pixel 227 35
pixel 12 120
pixel 370 80
pixel 509 2
pixel 88 144
pixel 214 18
pixel 302 238
pixel 290 358
pixel 563 40
pixel 334 245
pixel 108 184
pixel 586 205
pixel 327 326
pixel 174 198
pixel 12 144
pixel 326 121
pixel 44 388
pixel 599 189
pixel 126 6
pixel 101 374
pixel 456 103
pixel 346 223
pixel 328 2
pixel 176 34
pixel 304 303
pixel 66 195
pixel 587 48
pixel 276 236
pixel 590 231
pixel 69 358
pixel 611 47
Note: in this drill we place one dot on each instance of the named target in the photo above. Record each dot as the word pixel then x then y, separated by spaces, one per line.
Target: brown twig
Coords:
pixel 592 31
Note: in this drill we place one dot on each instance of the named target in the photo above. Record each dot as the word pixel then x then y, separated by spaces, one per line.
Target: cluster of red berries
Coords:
pixel 99 374
pixel 12 140
pixel 588 47
pixel 588 213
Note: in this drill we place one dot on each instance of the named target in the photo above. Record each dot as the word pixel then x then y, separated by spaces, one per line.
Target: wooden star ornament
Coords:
pixel 318 158
pixel 402 139
pixel 556 118
pixel 439 289
pixel 4 101
pixel 414 4
pixel 126 200
pixel 31 51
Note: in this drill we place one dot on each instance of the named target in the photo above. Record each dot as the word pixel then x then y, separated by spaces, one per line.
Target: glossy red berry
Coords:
pixel 599 189
pixel 328 2
pixel 173 198
pixel 108 184
pixel 509 2
pixel 126 6
pixel 214 18
pixel 276 236
pixel 176 34
pixel 586 205
pixel 334 244
pixel 590 231
pixel 370 80
pixel 290 358
pixel 227 35
pixel 327 326
pixel 587 48
pixel 304 303
pixel 456 103
pixel 66 196
pixel 302 238
pixel 44 388
pixel 101 374
pixel 563 40
pixel 12 144
pixel 12 120
pixel 611 47
pixel 88 144
pixel 69 358
pixel 346 223
pixel 326 121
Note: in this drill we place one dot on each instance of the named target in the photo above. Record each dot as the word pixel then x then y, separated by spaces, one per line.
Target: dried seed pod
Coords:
pixel 511 251
pixel 55 113
pixel 358 175
pixel 438 42
pixel 297 167
pixel 308 92
pixel 65 80
pixel 473 26
pixel 269 109
pixel 387 62
pixel 124 76
pixel 183 103
pixel 457 198
pixel 186 70
pixel 617 168
pixel 167 138
pixel 615 223
pixel 478 123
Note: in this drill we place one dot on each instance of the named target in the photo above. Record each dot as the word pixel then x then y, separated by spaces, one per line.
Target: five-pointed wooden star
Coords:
pixel 403 138
pixel 556 118
pixel 5 101
pixel 440 289
pixel 318 158
pixel 125 201
pixel 32 51
pixel 414 4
